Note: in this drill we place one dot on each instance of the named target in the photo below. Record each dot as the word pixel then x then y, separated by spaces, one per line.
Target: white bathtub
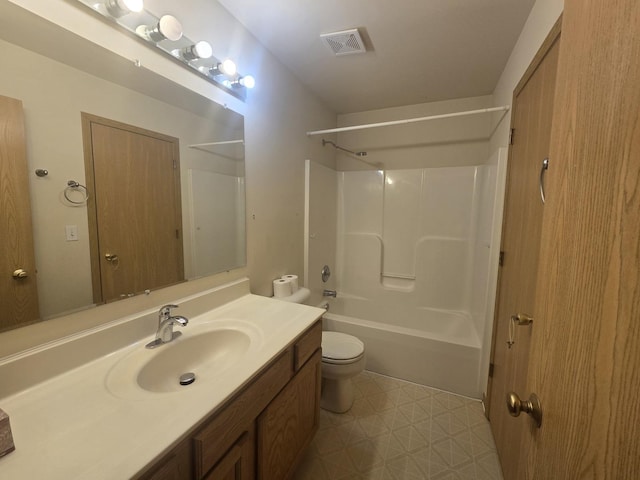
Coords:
pixel 437 348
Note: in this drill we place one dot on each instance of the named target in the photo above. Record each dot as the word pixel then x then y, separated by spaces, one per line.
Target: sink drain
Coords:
pixel 187 378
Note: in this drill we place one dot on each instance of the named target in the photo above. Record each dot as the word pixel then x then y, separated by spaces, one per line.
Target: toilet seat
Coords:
pixel 340 348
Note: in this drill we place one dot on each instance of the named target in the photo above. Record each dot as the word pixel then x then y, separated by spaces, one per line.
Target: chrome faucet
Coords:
pixel 166 321
pixel 329 293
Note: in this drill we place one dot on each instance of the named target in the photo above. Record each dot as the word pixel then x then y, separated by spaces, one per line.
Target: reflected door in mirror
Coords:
pixel 18 292
pixel 136 229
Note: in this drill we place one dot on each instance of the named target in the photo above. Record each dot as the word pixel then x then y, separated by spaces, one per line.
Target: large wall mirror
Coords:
pixel 58 77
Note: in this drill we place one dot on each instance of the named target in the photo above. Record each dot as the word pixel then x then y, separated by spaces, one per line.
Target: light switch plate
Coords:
pixel 72 233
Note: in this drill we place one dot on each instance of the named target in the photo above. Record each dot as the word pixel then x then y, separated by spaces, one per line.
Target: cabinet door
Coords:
pixel 176 465
pixel 288 424
pixel 215 437
pixel 239 462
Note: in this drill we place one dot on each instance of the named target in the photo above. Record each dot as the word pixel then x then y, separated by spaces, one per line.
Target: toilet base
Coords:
pixel 337 395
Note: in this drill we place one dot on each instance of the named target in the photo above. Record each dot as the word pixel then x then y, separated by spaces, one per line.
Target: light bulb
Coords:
pixel 247 81
pixel 228 67
pixel 135 6
pixel 119 8
pixel 167 28
pixel 199 50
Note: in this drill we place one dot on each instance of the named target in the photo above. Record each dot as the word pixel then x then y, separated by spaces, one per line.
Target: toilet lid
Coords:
pixel 340 346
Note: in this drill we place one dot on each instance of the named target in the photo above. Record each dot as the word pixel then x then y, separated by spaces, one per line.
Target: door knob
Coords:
pixel 531 407
pixel 20 273
pixel 111 257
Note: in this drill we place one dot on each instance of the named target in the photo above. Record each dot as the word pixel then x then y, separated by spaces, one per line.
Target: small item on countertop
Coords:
pixel 6 439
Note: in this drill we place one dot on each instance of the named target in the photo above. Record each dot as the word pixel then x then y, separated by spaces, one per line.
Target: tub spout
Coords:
pixel 329 293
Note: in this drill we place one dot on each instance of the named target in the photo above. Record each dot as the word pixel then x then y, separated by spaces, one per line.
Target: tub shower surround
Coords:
pixel 413 256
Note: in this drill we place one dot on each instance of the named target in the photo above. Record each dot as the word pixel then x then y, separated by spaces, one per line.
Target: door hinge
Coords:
pixel 501 258
pixel 491 368
pixel 177 234
pixel 511 133
pixel 175 164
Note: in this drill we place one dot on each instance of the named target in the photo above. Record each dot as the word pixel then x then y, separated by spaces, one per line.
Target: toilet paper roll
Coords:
pixel 282 287
pixel 294 282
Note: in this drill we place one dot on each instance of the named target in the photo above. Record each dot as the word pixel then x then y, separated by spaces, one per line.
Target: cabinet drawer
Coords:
pixel 306 345
pixel 215 438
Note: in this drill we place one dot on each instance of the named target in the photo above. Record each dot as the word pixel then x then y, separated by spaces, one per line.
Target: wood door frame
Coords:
pixel 92 210
pixel 552 37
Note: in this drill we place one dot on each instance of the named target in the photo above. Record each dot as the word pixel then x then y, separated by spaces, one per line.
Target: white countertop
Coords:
pixel 71 426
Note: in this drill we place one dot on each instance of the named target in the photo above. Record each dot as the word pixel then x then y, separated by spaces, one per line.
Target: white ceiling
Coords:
pixel 421 50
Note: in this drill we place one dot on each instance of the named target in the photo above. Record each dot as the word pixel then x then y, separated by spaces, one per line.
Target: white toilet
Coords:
pixel 342 359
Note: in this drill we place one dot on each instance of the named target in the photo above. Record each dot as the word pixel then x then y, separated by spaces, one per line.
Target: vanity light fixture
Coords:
pixel 201 50
pixel 119 8
pixel 168 27
pixel 165 34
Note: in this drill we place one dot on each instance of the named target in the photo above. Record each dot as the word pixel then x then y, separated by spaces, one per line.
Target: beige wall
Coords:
pixel 542 17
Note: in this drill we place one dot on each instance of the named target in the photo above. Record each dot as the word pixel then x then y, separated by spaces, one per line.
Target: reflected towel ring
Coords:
pixel 74 186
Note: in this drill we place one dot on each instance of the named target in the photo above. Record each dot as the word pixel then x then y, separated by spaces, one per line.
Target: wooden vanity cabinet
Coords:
pixel 262 432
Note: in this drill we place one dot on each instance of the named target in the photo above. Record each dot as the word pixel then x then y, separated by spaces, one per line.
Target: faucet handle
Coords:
pixel 165 311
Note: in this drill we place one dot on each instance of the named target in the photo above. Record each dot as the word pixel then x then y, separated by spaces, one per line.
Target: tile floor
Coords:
pixel 400 430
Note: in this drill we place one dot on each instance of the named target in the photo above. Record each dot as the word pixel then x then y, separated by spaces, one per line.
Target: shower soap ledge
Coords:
pixel 6 439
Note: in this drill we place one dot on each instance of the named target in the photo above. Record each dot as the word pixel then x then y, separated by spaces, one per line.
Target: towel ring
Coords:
pixel 74 186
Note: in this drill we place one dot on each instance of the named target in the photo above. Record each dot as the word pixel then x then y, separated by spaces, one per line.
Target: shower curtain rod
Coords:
pixel 410 120
pixel 211 144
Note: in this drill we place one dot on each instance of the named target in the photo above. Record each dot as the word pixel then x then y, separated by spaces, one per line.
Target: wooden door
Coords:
pixel 135 218
pixel 585 352
pixel 19 296
pixel 531 123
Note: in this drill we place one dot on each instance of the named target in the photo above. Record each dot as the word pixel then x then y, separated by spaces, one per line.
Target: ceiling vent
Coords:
pixel 346 42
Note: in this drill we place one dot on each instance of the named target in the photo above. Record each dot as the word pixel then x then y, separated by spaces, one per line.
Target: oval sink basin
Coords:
pixel 215 351
pixel 205 352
